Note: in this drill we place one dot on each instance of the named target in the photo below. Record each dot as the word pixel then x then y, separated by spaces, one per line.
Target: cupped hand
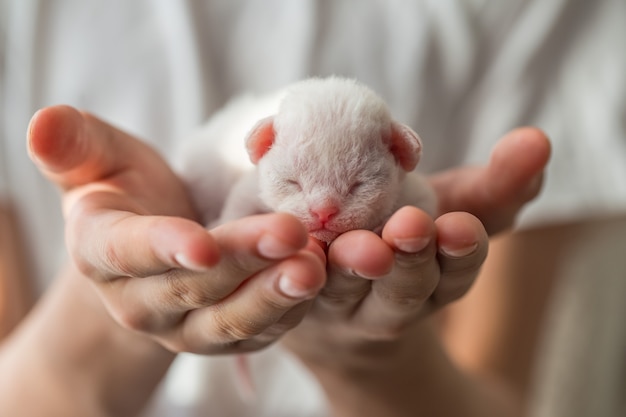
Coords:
pixel 379 288
pixel 131 229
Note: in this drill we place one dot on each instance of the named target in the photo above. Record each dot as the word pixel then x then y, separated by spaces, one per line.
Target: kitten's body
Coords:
pixel 326 150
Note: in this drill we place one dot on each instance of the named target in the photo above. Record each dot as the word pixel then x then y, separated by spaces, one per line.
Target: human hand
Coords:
pixel 379 288
pixel 495 193
pixel 130 228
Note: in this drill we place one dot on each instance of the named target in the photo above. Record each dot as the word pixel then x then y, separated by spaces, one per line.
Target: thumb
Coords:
pixel 496 192
pixel 73 148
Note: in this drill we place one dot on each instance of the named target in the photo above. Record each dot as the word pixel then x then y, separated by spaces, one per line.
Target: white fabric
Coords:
pixel 461 73
pixel 198 386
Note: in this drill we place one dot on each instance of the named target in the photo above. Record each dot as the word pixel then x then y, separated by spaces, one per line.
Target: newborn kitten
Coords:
pixel 326 151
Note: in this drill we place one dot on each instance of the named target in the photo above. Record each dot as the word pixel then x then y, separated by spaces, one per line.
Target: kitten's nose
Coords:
pixel 324 213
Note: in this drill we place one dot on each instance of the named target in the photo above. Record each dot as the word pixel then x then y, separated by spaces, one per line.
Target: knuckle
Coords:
pixel 332 296
pixel 185 293
pixel 116 261
pixel 411 261
pixel 273 303
pixel 407 302
pixel 287 322
pixel 232 328
pixel 409 294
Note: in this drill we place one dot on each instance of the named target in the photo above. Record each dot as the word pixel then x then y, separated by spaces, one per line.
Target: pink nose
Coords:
pixel 324 213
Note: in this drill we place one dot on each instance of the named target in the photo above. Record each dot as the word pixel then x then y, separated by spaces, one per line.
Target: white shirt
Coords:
pixel 461 73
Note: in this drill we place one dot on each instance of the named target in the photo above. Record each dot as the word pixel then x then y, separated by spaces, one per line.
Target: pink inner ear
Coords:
pixel 405 146
pixel 260 139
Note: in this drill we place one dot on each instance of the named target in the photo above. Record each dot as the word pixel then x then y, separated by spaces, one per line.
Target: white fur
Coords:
pixel 214 158
pixel 331 148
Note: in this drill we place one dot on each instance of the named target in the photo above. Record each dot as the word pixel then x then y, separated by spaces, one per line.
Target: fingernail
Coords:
pixel 186 263
pixel 534 186
pixel 459 252
pixel 358 274
pixel 29 134
pixel 412 245
pixel 272 248
pixel 290 289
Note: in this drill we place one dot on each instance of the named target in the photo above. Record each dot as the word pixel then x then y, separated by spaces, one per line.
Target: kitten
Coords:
pixel 326 150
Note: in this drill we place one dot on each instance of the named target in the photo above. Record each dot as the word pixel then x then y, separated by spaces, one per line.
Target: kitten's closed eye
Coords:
pixel 294 184
pixel 355 187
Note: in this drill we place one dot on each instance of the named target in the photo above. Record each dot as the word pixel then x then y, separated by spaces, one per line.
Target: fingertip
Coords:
pixel 528 141
pixel 182 243
pixel 304 278
pixel 281 235
pixel 289 228
pixel 460 234
pixel 52 133
pixel 517 165
pixel 363 253
pixel 410 229
pixel 200 254
pixel 463 245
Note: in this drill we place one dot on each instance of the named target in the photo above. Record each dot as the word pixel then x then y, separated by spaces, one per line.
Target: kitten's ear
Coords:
pixel 260 139
pixel 405 145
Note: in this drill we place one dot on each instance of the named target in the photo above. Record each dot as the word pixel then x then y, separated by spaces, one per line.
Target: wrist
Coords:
pixel 390 377
pixel 93 359
pixel 411 375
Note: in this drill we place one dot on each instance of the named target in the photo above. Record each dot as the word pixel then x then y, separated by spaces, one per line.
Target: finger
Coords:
pixel 263 308
pixel 463 245
pixel 107 244
pixel 354 258
pixel 496 193
pixel 516 166
pixel 73 148
pixel 255 242
pixel 398 297
pixel 246 247
pixel 79 152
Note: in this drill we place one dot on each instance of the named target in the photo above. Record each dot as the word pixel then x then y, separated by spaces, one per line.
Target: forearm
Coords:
pixel 69 358
pixel 418 380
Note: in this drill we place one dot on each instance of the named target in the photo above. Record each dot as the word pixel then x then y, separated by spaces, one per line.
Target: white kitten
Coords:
pixel 326 150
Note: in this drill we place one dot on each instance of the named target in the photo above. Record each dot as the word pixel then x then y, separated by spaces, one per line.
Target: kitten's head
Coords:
pixel 332 157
